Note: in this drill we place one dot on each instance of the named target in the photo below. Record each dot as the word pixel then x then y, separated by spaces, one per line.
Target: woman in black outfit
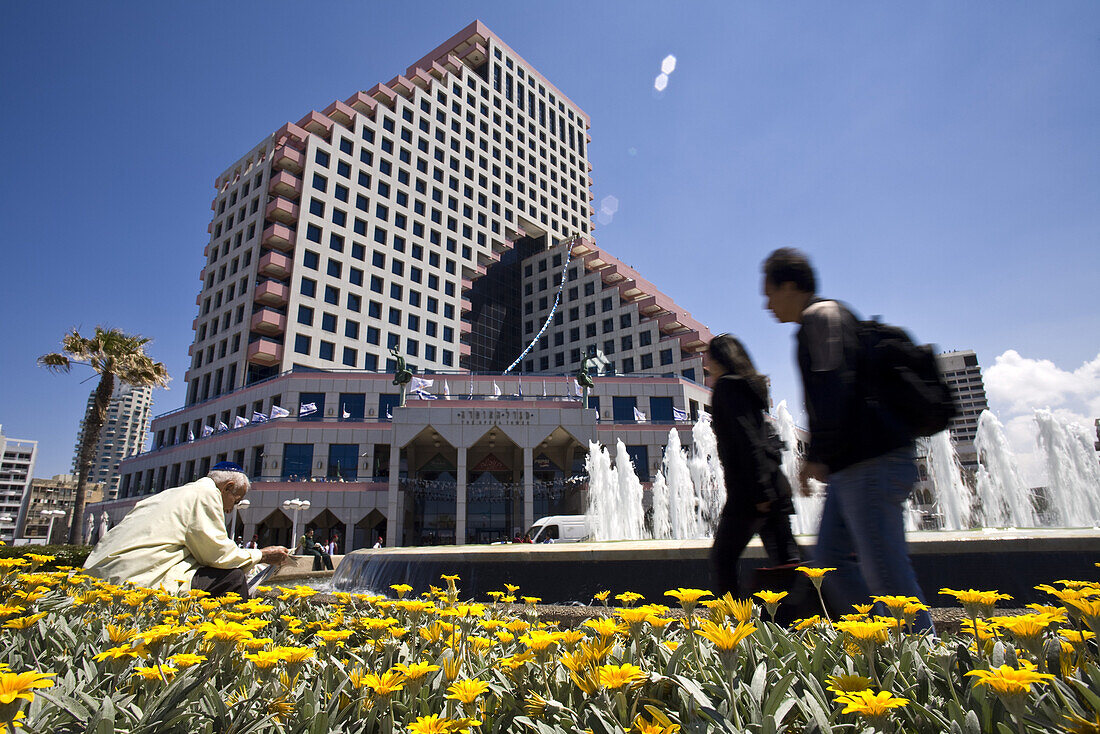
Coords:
pixel 758 495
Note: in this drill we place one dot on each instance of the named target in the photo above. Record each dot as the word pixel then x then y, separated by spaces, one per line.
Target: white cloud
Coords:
pixel 1018 385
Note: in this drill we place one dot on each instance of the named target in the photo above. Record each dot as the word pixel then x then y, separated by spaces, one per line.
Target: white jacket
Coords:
pixel 167 537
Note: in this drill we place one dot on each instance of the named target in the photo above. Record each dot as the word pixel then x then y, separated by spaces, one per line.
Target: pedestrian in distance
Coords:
pixel 758 495
pixel 310 547
pixel 863 452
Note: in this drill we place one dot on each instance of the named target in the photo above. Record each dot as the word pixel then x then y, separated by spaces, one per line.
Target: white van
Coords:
pixel 559 529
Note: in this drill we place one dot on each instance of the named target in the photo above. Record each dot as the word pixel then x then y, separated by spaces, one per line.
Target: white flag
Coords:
pixel 240 422
pixel 446 390
pixel 544 388
pixel 419 383
pixel 303 410
pixel 496 390
pixel 190 435
pixel 519 388
pixel 277 412
pixel 344 412
pixel 207 431
pixel 679 415
pixel 258 417
pixel 578 391
pixel 425 395
pixel 222 426
pixel 639 416
pixel 389 414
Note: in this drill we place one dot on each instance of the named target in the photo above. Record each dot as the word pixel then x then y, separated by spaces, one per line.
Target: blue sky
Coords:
pixel 939 161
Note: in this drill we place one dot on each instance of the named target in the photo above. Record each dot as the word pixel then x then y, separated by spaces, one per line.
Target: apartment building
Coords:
pixel 17 457
pixel 123 434
pixel 963 375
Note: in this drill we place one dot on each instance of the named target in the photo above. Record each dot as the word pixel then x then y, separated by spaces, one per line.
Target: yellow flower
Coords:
pixel 186 660
pixel 865 632
pixel 222 631
pixel 687 597
pixel 435 724
pixel 401 589
pixel 532 600
pixel 603 626
pixel 896 604
pixel 770 597
pixel 386 684
pixel 415 671
pixel 22 623
pixel 628 597
pixel 659 725
pixel 119 635
pixel 724 638
pixel 295 655
pixel 976 603
pixel 634 617
pixel 6 610
pixel 1009 682
pixel 870 704
pixel 540 641
pixel 803 624
pixel 22 685
pixel 726 607
pixel 814 573
pixel 619 676
pixel 848 683
pixel 516 661
pixel 512 588
pixel 331 636
pixel 467 691
pixel 601 595
pixel 17 720
pixel 1025 627
pixel 122 652
pixel 264 659
pixel 153 672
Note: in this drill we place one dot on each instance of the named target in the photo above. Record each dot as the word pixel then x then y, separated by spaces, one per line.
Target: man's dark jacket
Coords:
pixel 845 427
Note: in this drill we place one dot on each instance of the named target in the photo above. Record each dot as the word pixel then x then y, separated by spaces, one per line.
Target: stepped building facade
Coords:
pixel 440 221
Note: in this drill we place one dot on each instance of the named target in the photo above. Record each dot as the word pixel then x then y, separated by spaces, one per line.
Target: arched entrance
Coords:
pixel 275 529
pixel 324 525
pixel 369 529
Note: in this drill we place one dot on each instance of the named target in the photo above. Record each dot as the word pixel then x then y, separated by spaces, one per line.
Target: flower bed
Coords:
pixel 82 655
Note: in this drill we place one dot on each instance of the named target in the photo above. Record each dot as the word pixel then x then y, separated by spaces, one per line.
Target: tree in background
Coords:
pixel 115 356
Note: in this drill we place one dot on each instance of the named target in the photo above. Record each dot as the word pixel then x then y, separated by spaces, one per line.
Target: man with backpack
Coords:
pixel 861 380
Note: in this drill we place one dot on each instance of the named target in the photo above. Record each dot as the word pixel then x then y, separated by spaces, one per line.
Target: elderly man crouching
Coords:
pixel 177 539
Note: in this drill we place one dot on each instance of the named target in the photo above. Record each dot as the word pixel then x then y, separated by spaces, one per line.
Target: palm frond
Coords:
pixel 55 362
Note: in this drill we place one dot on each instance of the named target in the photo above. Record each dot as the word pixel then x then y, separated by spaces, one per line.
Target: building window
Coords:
pixel 343 461
pixel 326 351
pixel 647 361
pixel 297 461
pixel 301 344
pixel 666 356
pixel 305 315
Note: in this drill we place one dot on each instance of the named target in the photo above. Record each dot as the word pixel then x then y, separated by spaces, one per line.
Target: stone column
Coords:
pixel 528 487
pixel 395 525
pixel 460 498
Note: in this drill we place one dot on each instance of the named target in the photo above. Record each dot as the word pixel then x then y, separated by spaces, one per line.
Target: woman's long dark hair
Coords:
pixel 730 353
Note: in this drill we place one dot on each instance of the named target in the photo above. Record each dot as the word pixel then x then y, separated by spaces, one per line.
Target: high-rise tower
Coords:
pixel 123 434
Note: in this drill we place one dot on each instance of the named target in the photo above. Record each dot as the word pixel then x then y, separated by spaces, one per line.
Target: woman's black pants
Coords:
pixel 735 530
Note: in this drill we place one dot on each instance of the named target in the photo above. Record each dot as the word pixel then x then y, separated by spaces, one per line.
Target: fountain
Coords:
pixel 952 495
pixel 1073 474
pixel 1003 498
pixel 614 496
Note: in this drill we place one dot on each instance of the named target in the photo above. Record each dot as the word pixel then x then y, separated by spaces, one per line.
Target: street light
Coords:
pixel 295 505
pixel 233 521
pixel 53 515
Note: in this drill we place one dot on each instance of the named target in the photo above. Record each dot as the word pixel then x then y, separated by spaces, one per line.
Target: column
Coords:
pixel 460 499
pixel 394 516
pixel 528 487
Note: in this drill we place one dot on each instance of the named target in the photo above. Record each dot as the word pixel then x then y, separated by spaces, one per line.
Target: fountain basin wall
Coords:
pixel 1010 561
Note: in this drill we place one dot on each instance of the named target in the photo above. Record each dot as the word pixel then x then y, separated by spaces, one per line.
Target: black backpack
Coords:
pixel 903 379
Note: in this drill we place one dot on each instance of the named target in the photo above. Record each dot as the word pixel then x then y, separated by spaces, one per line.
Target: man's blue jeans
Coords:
pixel 862 533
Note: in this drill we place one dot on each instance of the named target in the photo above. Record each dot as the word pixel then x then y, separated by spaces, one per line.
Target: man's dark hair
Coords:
pixel 790 265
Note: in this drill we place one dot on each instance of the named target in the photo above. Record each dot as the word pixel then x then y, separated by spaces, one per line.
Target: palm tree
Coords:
pixel 115 356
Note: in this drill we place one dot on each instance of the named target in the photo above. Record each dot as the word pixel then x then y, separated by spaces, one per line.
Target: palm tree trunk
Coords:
pixel 93 426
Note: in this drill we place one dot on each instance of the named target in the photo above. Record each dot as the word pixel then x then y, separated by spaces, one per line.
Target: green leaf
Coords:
pixel 697 693
pixel 814 710
pixel 777 694
pixel 759 679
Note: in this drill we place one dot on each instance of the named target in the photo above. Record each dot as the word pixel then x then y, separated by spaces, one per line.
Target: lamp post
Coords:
pixel 233 520
pixel 295 505
pixel 53 515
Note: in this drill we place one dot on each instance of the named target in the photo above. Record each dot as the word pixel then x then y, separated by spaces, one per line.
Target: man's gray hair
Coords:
pixel 237 480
